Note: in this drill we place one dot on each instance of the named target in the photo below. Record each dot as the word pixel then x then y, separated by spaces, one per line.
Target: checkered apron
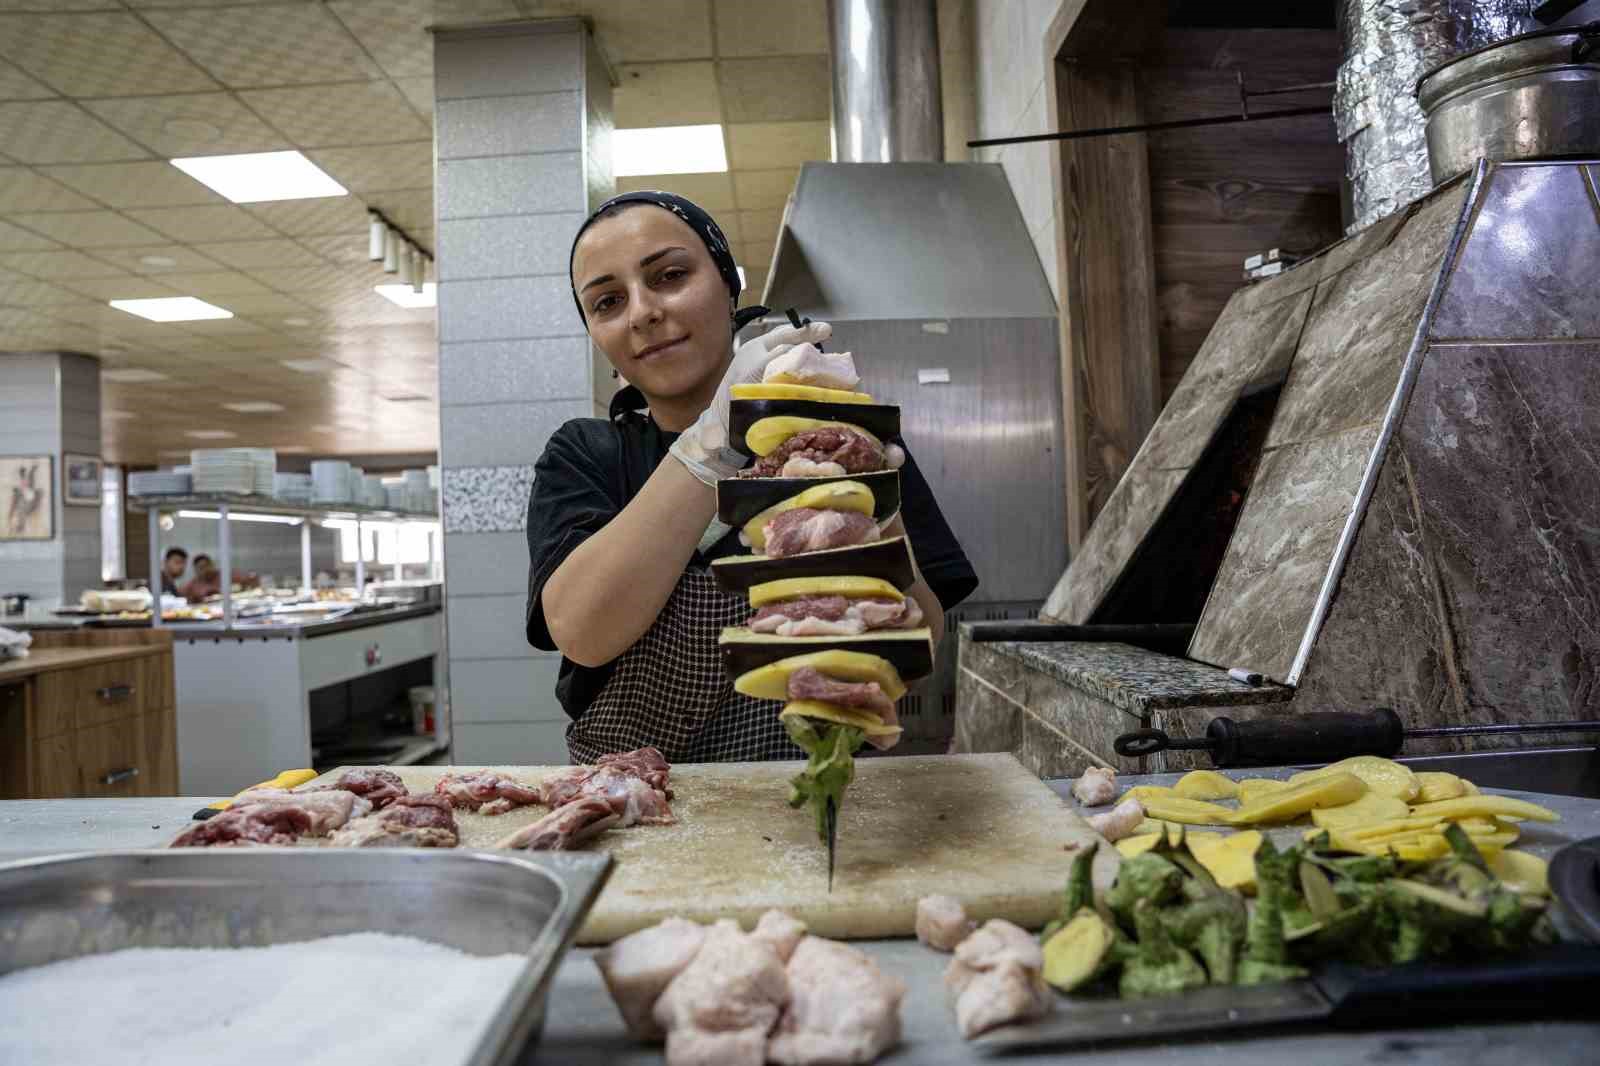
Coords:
pixel 670 690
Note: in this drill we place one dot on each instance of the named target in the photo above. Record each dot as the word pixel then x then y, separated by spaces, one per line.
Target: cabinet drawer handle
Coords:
pixel 113 693
pixel 117 777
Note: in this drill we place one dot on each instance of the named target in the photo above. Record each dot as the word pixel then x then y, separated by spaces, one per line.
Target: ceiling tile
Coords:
pixel 340 247
pixel 764 188
pixel 54 131
pixel 371 112
pixel 213 283
pixel 714 192
pixel 766 145
pixel 128 287
pixel 318 284
pixel 631 32
pixel 666 94
pixel 25 190
pixel 107 53
pixel 278 252
pixel 196 225
pixel 16 239
pixel 133 259
pixel 27 293
pixel 792 27
pixel 190 124
pixel 755 255
pixel 410 209
pixel 327 214
pixel 155 184
pixel 274 45
pixel 15 85
pixel 408 165
pixel 395 31
pixel 775 89
pixel 58 264
pixel 419 94
pixel 88 229
pixel 270 307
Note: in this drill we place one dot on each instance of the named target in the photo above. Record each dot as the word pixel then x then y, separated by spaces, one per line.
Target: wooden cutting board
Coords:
pixel 980 828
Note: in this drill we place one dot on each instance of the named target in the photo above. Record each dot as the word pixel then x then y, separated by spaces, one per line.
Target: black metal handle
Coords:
pixel 1588 41
pixel 112 693
pixel 116 777
pixel 1559 980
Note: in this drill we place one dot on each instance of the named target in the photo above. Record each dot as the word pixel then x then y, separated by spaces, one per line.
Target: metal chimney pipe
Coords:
pixel 886 102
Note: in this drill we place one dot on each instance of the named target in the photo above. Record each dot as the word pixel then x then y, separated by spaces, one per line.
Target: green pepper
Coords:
pixel 1144 877
pixel 1159 967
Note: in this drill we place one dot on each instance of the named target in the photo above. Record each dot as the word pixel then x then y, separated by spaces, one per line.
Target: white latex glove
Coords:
pixel 703 447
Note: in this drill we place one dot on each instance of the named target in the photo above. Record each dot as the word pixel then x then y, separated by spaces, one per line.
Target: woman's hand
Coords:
pixel 702 448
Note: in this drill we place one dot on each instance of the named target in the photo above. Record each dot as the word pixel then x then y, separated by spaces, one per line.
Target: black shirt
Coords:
pixel 592 468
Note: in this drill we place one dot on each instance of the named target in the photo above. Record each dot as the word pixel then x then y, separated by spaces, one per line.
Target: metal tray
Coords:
pixel 483 903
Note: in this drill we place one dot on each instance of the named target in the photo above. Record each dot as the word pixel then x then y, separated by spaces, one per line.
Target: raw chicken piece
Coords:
pixel 263 823
pixel 421 821
pixel 638 968
pixel 487 792
pixel 995 979
pixel 1119 821
pixel 800 466
pixel 647 764
pixel 842 1008
pixel 380 787
pixel 721 1007
pixel 634 802
pixel 1096 786
pixel 564 827
pixel 781 931
pixel 806 364
pixel 329 809
pixel 942 922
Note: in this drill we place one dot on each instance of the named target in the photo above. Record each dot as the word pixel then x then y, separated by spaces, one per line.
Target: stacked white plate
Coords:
pixel 292 488
pixel 330 481
pixel 372 494
pixel 223 470
pixel 158 483
pixel 355 493
pixel 266 464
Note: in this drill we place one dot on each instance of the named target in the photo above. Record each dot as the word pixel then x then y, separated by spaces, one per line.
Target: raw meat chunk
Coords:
pixel 486 791
pixel 721 1007
pixel 328 809
pixel 380 787
pixel 842 1008
pixel 942 922
pixel 564 827
pixel 1119 821
pixel 247 826
pixel 1096 786
pixel 806 364
pixel 638 968
pixel 995 979
pixel 634 802
pixel 422 821
pixel 781 931
pixel 806 529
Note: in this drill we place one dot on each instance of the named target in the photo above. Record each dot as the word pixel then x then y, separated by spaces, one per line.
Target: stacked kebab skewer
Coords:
pixel 833 634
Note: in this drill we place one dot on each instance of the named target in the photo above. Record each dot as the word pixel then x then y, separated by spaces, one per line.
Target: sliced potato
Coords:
pixel 1252 789
pixel 870 724
pixel 767 434
pixel 834 496
pixel 1174 808
pixel 1077 953
pixel 1439 786
pixel 1146 792
pixel 1370 809
pixel 1384 776
pixel 791 588
pixel 1140 843
pixel 1206 785
pixel 1231 860
pixel 772 390
pixel 1521 872
pixel 1332 790
pixel 1486 807
pixel 771 682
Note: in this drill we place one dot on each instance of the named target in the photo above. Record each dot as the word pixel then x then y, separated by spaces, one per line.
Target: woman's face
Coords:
pixel 653 301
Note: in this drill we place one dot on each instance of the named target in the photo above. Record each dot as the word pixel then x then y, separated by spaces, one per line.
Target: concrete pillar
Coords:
pixel 50 406
pixel 522 126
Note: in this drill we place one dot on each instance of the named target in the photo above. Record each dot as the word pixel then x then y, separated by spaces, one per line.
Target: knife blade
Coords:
pixel 830 817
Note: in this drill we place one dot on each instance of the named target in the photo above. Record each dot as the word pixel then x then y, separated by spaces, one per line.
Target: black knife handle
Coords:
pixel 1560 980
pixel 1291 739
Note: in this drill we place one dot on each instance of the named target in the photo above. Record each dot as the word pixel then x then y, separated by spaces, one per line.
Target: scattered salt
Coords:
pixel 363 997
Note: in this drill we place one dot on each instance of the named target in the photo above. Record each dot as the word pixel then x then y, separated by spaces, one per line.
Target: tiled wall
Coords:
pixel 50 404
pixel 1010 69
pixel 519 112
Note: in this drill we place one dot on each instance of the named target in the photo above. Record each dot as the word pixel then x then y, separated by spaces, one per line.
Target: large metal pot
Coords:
pixel 1531 97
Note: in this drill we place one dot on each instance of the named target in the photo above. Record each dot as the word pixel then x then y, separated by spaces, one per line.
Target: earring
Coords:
pixel 615 375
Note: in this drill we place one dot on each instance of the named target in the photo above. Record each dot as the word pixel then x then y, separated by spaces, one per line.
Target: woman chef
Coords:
pixel 622 517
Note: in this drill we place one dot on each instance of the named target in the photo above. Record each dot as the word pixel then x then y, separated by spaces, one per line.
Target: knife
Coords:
pixel 1559 980
pixel 831 819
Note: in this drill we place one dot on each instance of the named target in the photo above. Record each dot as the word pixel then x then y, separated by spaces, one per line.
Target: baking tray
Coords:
pixel 482 903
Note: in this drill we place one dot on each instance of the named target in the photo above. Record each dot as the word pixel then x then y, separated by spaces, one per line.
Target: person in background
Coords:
pixel 207 580
pixel 173 564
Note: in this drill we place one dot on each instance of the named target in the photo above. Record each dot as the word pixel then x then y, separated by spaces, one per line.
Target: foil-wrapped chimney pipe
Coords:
pixel 1388 46
pixel 886 102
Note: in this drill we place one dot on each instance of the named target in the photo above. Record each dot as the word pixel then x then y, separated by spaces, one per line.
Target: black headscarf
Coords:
pixel 704 226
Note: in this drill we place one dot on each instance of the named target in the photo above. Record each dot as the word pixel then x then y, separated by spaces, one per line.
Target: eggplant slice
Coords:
pixel 740 499
pixel 909 650
pixel 880 420
pixel 889 559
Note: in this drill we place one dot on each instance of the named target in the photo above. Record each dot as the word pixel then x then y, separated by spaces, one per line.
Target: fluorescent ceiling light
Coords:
pixel 280 519
pixel 668 150
pixel 254 407
pixel 172 309
pixel 406 296
pixel 209 434
pixel 310 366
pixel 131 375
pixel 258 177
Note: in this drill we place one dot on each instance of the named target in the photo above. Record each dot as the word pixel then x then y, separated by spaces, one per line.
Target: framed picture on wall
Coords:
pixel 81 485
pixel 27 500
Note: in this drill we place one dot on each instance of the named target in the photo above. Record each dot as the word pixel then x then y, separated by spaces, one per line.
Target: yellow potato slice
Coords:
pixel 1147 792
pixel 1252 789
pixel 1143 842
pixel 1384 776
pixel 870 724
pixel 1206 785
pixel 771 682
pixel 789 588
pixel 1521 872
pixel 770 390
pixel 1231 860
pixel 1439 786
pixel 1174 808
pixel 834 496
pixel 1369 809
pixel 1485 807
pixel 1333 790
pixel 766 434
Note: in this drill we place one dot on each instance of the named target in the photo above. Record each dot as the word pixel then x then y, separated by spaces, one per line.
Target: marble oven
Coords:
pixel 1378 484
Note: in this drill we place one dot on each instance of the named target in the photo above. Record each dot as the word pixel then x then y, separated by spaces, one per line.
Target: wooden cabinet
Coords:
pixel 91 716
